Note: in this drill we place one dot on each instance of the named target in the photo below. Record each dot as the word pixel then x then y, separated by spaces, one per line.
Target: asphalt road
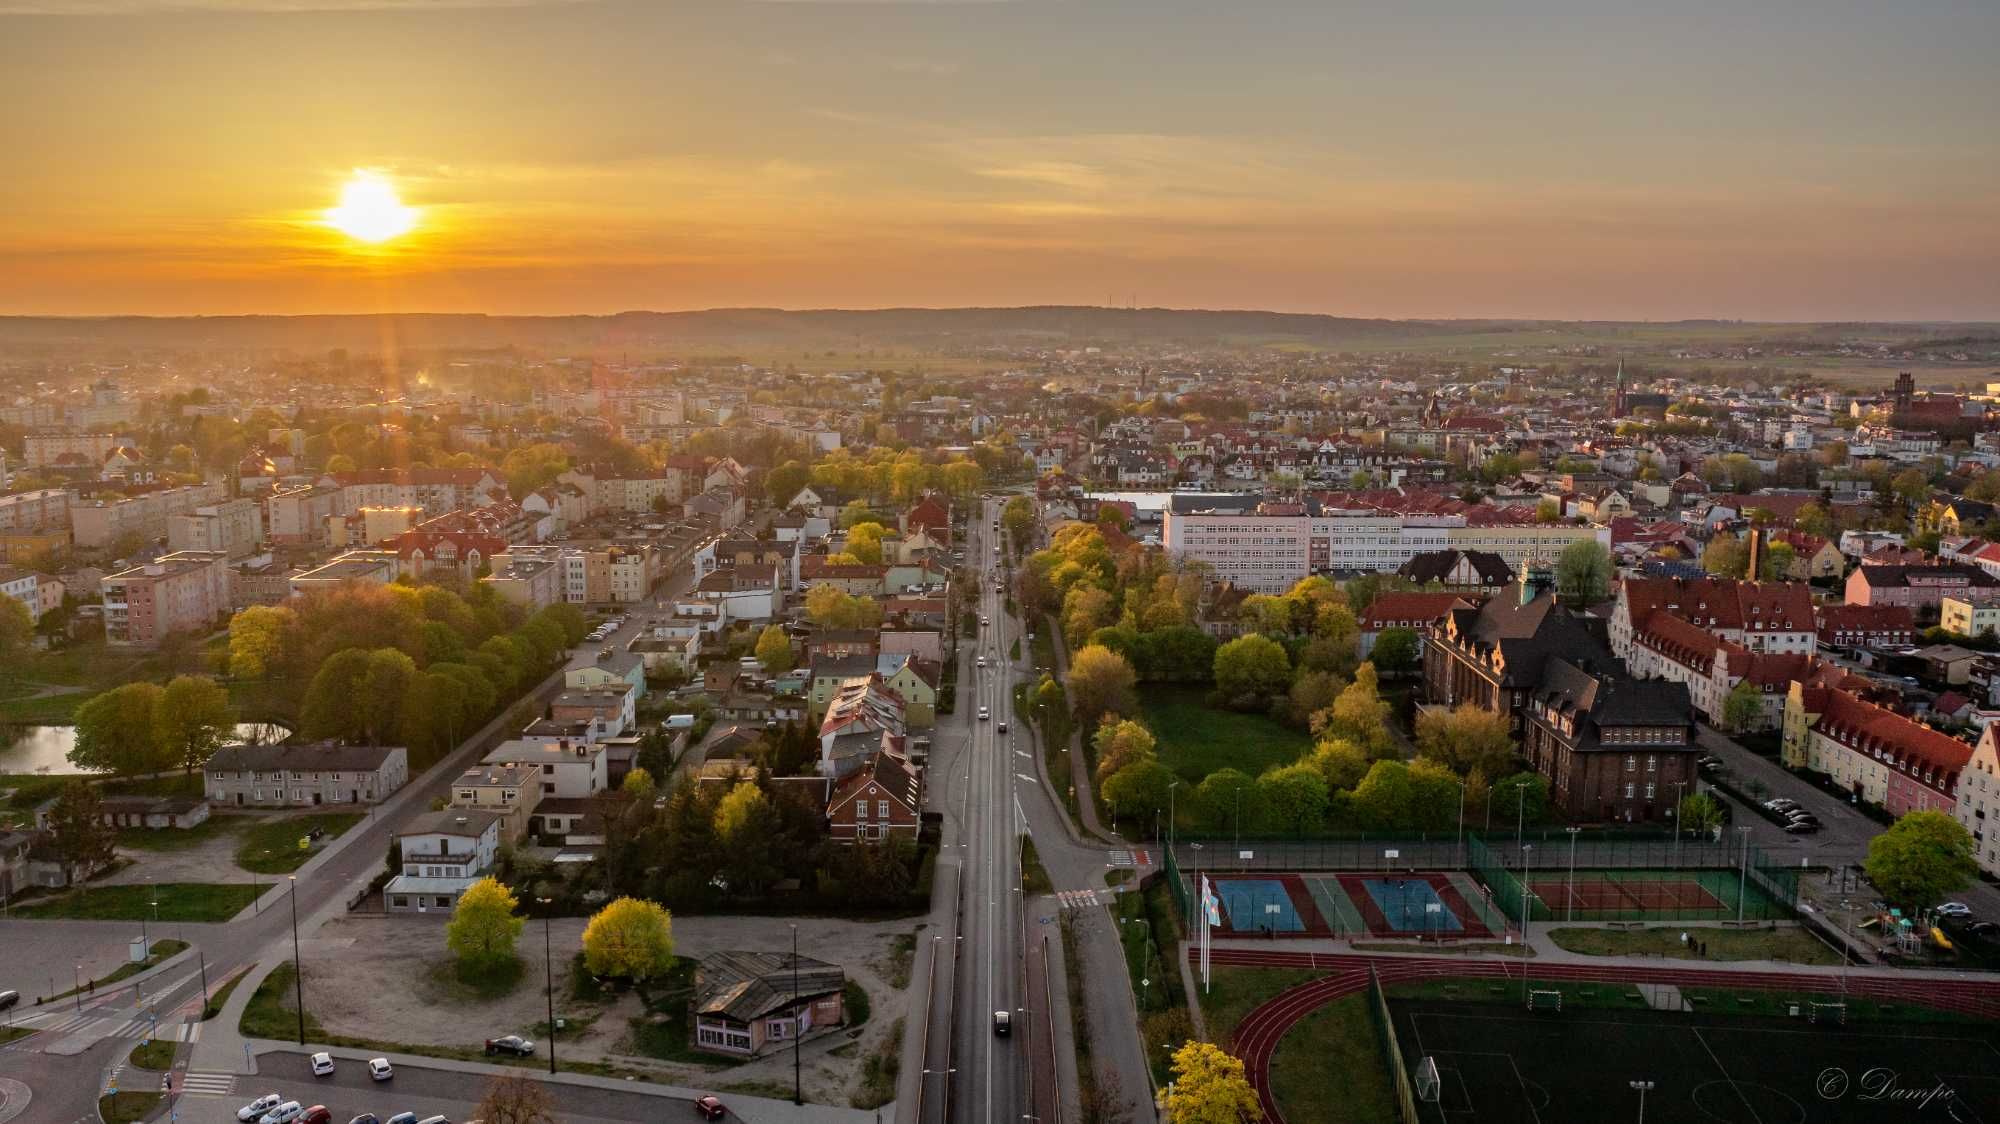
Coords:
pixel 988 1085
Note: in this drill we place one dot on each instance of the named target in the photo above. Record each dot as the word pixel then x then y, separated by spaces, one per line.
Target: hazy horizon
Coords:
pixel 1554 160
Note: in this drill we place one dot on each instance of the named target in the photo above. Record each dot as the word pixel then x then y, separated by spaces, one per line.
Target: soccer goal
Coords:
pixel 1545 1000
pixel 1834 1014
pixel 1429 1088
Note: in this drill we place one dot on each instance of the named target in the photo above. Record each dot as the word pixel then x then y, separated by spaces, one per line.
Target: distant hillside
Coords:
pixel 710 329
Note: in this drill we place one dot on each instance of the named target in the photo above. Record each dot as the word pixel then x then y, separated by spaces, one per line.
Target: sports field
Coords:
pixel 1499 1064
pixel 1432 905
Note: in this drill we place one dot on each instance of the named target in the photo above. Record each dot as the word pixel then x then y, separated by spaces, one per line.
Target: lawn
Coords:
pixel 220 996
pixel 1793 945
pixel 272 847
pixel 1330 1068
pixel 664 1032
pixel 13 1033
pixel 1196 740
pixel 270 1013
pixel 179 901
pixel 127 1106
pixel 155 1055
pixel 159 953
pixel 1034 876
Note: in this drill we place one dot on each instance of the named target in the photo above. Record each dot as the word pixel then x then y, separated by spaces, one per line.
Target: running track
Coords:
pixel 1257 1036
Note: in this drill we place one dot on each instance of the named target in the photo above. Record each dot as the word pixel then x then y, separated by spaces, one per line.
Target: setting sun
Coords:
pixel 369 210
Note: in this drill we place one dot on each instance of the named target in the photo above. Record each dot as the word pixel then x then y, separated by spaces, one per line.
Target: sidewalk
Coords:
pixel 1079 767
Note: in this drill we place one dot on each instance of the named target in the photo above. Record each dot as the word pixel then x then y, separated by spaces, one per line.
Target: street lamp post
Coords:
pixel 298 967
pixel 1170 816
pixel 1643 1087
pixel 798 1090
pixel 78 980
pixel 1569 893
pixel 1679 788
pixel 1743 881
pixel 549 972
pixel 1527 913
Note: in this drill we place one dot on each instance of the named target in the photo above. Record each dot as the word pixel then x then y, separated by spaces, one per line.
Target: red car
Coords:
pixel 710 1108
pixel 317 1114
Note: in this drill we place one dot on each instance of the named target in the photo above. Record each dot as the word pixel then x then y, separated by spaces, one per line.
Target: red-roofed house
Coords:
pixel 1761 616
pixel 1875 753
pixel 1666 646
pixel 931 516
pixel 1414 611
pixel 1865 626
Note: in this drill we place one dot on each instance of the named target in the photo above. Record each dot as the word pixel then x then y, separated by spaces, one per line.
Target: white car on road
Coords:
pixel 284 1113
pixel 322 1065
pixel 379 1069
pixel 256 1109
pixel 984 714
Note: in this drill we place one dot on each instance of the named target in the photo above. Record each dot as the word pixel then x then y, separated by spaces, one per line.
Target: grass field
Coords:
pixel 179 901
pixel 1330 1068
pixel 1196 740
pixel 270 1013
pixel 127 1106
pixel 1793 945
pixel 1034 876
pixel 155 1055
pixel 272 847
pixel 179 839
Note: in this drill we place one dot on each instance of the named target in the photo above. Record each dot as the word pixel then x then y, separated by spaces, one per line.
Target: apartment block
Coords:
pixel 297 516
pixel 181 592
pixel 99 523
pixel 41 450
pixel 41 509
pixel 234 527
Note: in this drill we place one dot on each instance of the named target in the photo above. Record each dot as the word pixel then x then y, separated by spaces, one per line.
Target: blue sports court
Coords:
pixel 1406 905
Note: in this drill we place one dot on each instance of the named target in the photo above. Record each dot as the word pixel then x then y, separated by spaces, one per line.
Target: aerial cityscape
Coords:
pixel 918 561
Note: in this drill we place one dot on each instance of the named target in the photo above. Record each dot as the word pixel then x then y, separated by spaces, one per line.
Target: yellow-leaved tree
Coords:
pixel 631 939
pixel 1210 1088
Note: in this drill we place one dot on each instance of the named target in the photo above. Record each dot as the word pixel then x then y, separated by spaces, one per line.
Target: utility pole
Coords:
pixel 549 971
pixel 298 967
pixel 1569 895
pixel 1643 1087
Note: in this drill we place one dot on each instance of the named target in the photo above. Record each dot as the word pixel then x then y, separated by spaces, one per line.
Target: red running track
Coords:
pixel 1257 1036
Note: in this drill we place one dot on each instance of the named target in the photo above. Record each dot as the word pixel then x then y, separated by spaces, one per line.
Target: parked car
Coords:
pixel 366 1118
pixel 379 1069
pixel 283 1114
pixel 256 1109
pixel 403 1118
pixel 1955 909
pixel 1800 828
pixel 322 1064
pixel 317 1114
pixel 710 1108
pixel 8 999
pixel 511 1044
pixel 440 1118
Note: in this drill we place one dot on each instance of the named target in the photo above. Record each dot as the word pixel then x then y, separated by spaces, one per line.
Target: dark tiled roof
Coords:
pixel 744 986
pixel 323 757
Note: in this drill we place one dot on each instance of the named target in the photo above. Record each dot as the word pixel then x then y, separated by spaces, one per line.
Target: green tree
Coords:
pixel 1086 608
pixel 783 483
pixel 1360 715
pixel 1119 744
pixel 328 710
pixel 483 927
pixel 1341 762
pixel 774 650
pixel 1251 669
pixel 1725 556
pixel 1311 693
pixel 78 837
pixel 1699 813
pixel 638 786
pixel 1099 682
pixel 864 541
pixel 1017 518
pixel 746 825
pixel 1584 572
pixel 1921 859
pixel 1395 651
pixel 17 631
pixel 1465 738
pixel 513 1099
pixel 829 606
pixel 1743 707
pixel 115 731
pixel 191 720
pixel 1523 795
pixel 629 939
pixel 1210 1087
pixel 1228 797
pixel 1139 789
pixel 1293 798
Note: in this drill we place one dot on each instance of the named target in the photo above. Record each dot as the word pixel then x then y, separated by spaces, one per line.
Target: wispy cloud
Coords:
pixel 152 7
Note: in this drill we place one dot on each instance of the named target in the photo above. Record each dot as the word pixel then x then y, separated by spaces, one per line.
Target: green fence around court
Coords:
pixel 1392 1051
pixel 1753 888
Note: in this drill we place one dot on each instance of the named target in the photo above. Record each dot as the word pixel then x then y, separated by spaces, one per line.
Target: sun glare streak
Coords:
pixel 369 210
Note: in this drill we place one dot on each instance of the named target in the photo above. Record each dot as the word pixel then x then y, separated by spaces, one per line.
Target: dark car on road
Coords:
pixel 710 1108
pixel 511 1044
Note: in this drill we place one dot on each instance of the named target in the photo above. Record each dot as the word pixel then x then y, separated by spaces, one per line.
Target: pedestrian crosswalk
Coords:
pixel 121 1025
pixel 212 1084
pixel 1077 899
pixel 1123 857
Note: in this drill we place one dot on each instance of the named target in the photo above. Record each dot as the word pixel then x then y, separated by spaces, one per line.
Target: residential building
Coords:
pixel 233 527
pixel 99 524
pixel 368 567
pixel 1476 571
pixel 1969 616
pixel 24 586
pixel 297 516
pixel 186 591
pixel 1760 616
pixel 313 775
pixel 568 768
pixel 1978 806
pixel 534 583
pixel 1492 657
pixel 512 792
pixel 1418 612
pixel 38 510
pixel 1865 626
pixel 882 800
pixel 443 853
pixel 1920 588
pixel 1873 752
pixel 610 710
pixel 50 450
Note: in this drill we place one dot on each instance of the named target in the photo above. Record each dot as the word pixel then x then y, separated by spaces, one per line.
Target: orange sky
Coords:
pixel 1573 160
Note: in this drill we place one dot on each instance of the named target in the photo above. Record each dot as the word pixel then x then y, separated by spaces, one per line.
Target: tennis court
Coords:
pixel 1501 1065
pixel 1267 905
pixel 1566 898
pixel 1411 905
